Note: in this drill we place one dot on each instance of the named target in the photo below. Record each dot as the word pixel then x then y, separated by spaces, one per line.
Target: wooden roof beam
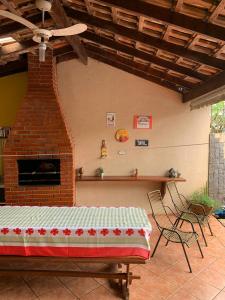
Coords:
pixel 17 48
pixel 13 27
pixel 14 67
pixel 9 5
pixel 144 38
pixel 142 55
pixel 172 17
pixel 60 18
pixel 178 5
pixel 215 82
pixel 130 33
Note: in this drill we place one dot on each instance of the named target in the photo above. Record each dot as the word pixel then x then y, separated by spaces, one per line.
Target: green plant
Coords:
pixel 201 197
pixel 218 117
pixel 99 171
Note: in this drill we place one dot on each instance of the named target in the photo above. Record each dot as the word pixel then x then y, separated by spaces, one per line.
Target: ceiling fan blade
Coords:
pixel 75 29
pixel 19 19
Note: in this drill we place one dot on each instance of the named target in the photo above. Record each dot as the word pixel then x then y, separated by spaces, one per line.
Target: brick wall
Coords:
pixel 40 132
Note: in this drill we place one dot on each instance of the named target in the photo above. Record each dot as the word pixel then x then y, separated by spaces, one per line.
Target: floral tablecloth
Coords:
pixel 74 231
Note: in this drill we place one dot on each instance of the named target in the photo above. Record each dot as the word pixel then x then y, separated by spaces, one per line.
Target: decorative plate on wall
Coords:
pixel 122 135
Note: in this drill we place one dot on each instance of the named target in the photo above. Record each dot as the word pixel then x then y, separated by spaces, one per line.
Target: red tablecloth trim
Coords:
pixel 74 251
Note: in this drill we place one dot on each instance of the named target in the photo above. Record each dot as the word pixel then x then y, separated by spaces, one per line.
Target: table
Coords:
pixel 115 235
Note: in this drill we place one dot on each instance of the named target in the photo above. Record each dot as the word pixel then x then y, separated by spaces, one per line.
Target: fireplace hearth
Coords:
pixel 38 154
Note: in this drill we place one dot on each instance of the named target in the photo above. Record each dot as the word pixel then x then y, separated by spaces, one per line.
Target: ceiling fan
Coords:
pixel 42 35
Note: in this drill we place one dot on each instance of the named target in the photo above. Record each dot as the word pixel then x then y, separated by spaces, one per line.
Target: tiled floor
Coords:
pixel 166 276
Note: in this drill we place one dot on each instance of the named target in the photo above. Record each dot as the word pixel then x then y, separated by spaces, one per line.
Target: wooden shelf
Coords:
pixel 161 179
pixel 130 178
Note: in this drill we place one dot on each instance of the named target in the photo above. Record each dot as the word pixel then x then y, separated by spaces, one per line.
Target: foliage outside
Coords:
pixel 218 117
pixel 201 197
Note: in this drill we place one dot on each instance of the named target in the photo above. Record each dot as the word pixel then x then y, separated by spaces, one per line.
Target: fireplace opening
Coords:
pixel 38 171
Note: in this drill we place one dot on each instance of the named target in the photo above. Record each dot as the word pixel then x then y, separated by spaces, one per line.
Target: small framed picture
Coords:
pixel 110 119
pixel 143 122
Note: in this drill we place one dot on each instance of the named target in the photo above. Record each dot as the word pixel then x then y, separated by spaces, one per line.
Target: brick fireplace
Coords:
pixel 38 155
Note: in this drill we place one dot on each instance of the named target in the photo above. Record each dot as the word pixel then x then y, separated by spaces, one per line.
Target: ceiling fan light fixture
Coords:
pixel 42 48
pixel 42 35
pixel 43 5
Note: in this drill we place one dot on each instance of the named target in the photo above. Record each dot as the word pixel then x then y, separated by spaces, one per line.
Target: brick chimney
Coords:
pixel 39 137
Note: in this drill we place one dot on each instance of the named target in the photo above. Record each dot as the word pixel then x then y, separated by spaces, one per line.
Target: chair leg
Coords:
pixel 203 235
pixel 181 223
pixel 200 249
pixel 176 223
pixel 210 229
pixel 156 246
pixel 185 253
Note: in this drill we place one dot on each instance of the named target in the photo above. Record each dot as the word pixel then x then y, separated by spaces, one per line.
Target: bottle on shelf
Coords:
pixel 103 150
pixel 80 172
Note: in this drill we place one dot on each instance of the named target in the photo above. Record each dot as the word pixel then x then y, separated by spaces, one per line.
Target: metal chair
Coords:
pixel 183 209
pixel 168 229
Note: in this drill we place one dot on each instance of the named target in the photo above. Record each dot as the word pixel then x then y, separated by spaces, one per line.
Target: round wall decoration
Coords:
pixel 122 135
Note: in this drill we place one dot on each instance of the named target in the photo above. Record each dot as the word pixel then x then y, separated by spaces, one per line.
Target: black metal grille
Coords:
pixel 39 171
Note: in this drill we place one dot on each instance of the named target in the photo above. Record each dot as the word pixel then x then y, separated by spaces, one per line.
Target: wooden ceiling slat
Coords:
pixel 142 55
pixel 144 38
pixel 169 16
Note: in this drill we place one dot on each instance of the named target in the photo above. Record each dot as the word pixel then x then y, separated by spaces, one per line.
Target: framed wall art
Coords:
pixel 110 119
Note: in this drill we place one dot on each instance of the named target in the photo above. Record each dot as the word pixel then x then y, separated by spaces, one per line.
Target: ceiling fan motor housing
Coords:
pixel 43 5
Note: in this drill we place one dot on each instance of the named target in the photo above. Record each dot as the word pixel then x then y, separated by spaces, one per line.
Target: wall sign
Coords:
pixel 143 122
pixel 141 143
pixel 110 119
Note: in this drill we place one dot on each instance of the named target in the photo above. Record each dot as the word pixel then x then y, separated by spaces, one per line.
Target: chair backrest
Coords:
pixel 158 210
pixel 175 196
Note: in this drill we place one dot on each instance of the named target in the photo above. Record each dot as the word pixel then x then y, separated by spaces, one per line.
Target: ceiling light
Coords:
pixel 42 48
pixel 6 40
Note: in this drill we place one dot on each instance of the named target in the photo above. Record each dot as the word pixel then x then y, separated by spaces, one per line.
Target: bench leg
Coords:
pixel 125 287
